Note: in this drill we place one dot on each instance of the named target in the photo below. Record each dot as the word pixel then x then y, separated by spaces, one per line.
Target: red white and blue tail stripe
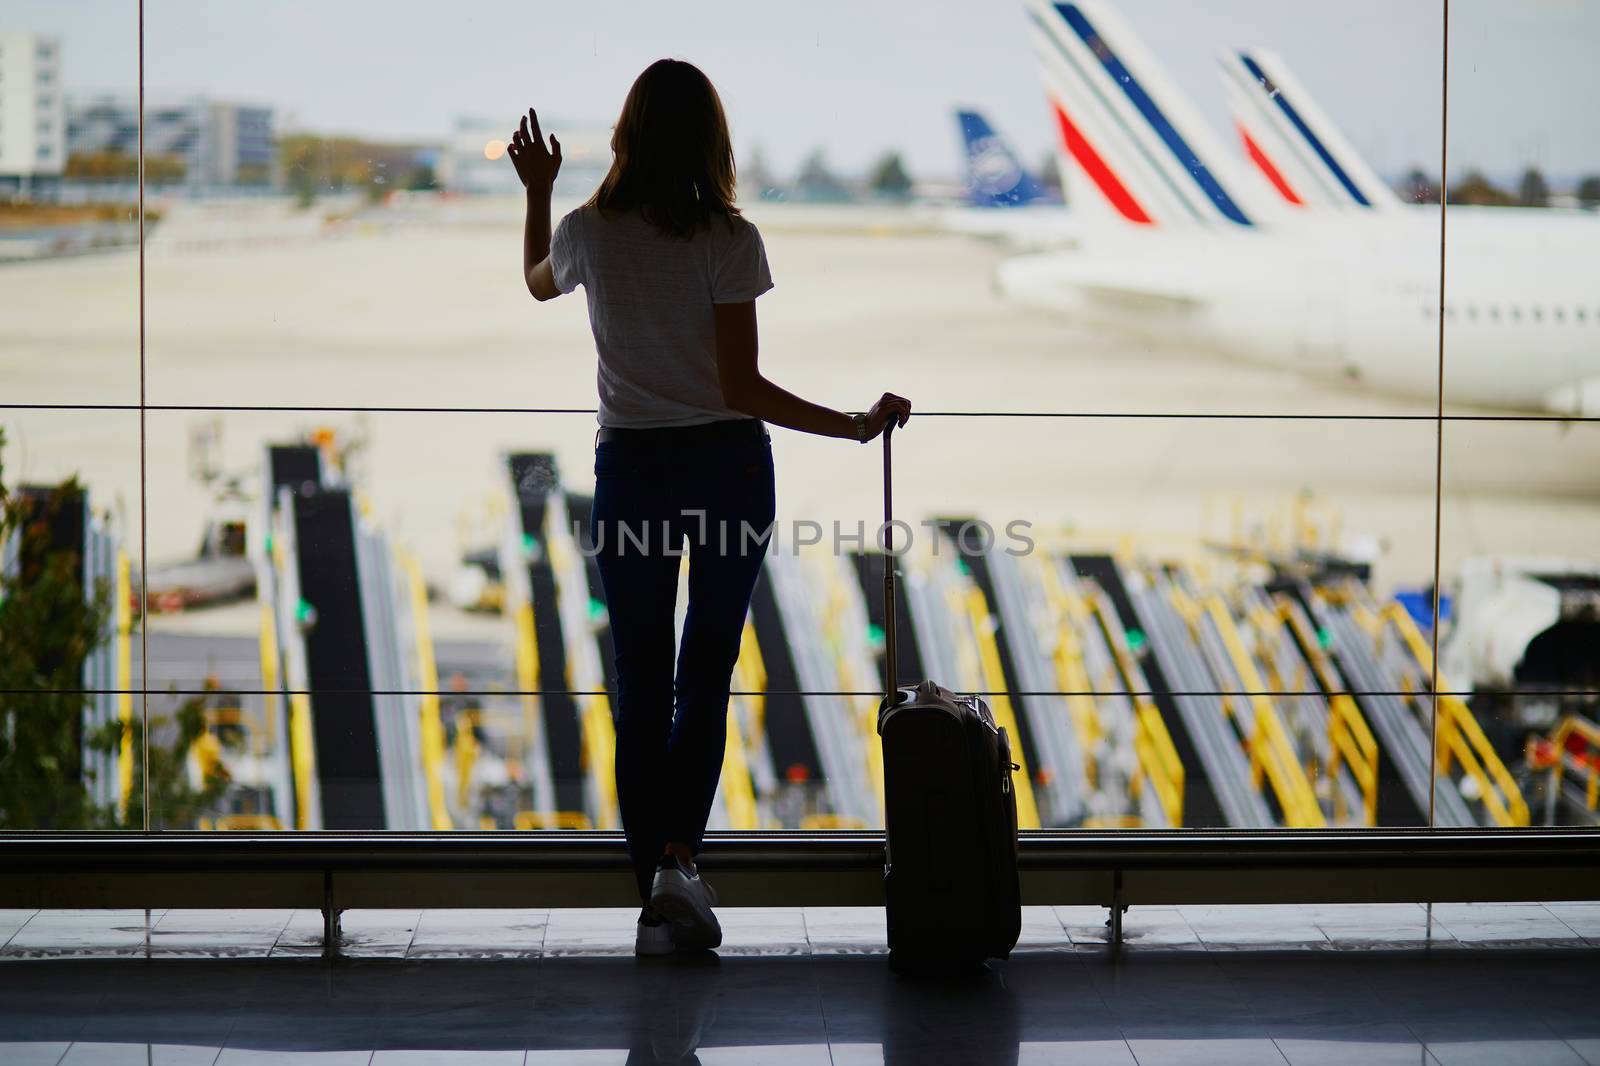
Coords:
pixel 1135 137
pixel 1293 142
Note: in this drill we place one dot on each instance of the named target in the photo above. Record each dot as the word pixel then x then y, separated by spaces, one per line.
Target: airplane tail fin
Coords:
pixel 1293 142
pixel 995 177
pixel 1126 125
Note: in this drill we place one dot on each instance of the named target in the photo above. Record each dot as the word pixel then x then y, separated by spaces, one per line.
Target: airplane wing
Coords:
pixel 1090 284
pixel 1580 399
pixel 1142 299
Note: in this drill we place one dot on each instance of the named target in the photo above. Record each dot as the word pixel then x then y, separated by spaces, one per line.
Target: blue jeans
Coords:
pixel 650 487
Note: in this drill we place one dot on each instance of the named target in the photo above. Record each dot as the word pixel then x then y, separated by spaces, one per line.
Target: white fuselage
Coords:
pixel 1355 295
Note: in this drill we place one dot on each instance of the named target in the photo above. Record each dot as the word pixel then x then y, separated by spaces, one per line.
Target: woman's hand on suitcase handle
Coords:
pixel 889 408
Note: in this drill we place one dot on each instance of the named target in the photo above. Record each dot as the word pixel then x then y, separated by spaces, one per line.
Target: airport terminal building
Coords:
pixel 219 144
pixel 32 112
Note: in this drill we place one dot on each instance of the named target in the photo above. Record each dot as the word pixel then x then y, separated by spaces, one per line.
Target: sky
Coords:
pixel 852 77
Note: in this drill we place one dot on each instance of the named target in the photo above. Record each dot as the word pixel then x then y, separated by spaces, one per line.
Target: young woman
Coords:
pixel 671 271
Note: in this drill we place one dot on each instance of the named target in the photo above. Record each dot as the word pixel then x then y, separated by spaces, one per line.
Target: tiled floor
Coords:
pixel 1236 985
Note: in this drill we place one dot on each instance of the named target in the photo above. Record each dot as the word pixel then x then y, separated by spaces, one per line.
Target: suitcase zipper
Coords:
pixel 1007 767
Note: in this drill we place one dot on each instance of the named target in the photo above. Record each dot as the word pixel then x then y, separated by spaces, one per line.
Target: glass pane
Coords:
pixel 1207 623
pixel 1520 548
pixel 1217 589
pixel 69 222
pixel 71 721
pixel 379 264
pixel 1519 641
pixel 1522 322
pixel 1209 610
pixel 1223 231
pixel 294 558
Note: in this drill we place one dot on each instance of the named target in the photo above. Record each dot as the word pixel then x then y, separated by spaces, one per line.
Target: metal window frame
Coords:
pixel 332 872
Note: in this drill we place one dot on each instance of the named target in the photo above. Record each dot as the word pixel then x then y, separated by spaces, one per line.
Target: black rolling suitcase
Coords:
pixel 950 860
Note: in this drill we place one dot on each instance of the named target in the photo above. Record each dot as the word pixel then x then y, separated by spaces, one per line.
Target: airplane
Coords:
pixel 1004 201
pixel 1292 141
pixel 1205 257
pixel 995 176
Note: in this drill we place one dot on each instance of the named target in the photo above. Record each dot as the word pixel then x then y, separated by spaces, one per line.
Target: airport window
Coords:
pixel 1318 594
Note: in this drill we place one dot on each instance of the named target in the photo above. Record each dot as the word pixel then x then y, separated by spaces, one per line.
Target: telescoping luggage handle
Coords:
pixel 890 665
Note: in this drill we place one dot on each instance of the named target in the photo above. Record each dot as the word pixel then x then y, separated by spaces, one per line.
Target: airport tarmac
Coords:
pixel 252 305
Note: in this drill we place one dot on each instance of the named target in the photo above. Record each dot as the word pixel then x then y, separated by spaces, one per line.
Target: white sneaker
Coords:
pixel 685 901
pixel 653 938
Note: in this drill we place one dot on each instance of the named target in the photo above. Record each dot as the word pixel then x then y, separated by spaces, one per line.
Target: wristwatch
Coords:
pixel 860 420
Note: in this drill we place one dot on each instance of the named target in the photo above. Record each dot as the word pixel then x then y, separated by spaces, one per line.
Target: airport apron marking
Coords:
pixel 1147 107
pixel 1276 94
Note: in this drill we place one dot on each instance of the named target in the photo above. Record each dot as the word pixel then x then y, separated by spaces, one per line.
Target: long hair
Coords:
pixel 673 158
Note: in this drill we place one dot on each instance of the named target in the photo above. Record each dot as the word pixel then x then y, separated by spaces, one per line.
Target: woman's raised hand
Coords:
pixel 890 408
pixel 536 165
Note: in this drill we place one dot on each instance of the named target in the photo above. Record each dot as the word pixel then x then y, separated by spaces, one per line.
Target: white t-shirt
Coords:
pixel 650 300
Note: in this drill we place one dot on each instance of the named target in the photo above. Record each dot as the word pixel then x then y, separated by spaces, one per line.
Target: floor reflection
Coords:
pixel 1236 1007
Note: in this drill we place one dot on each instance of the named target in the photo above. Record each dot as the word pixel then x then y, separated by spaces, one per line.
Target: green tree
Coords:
pixel 101 166
pixel 312 163
pixel 1533 191
pixel 889 178
pixel 1050 174
pixel 174 802
pixel 297 157
pixel 49 624
pixel 164 169
pixel 1589 191
pixel 1417 188
pixel 117 166
pixel 1477 190
pixel 422 176
pixel 755 177
pixel 253 174
pixel 816 181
